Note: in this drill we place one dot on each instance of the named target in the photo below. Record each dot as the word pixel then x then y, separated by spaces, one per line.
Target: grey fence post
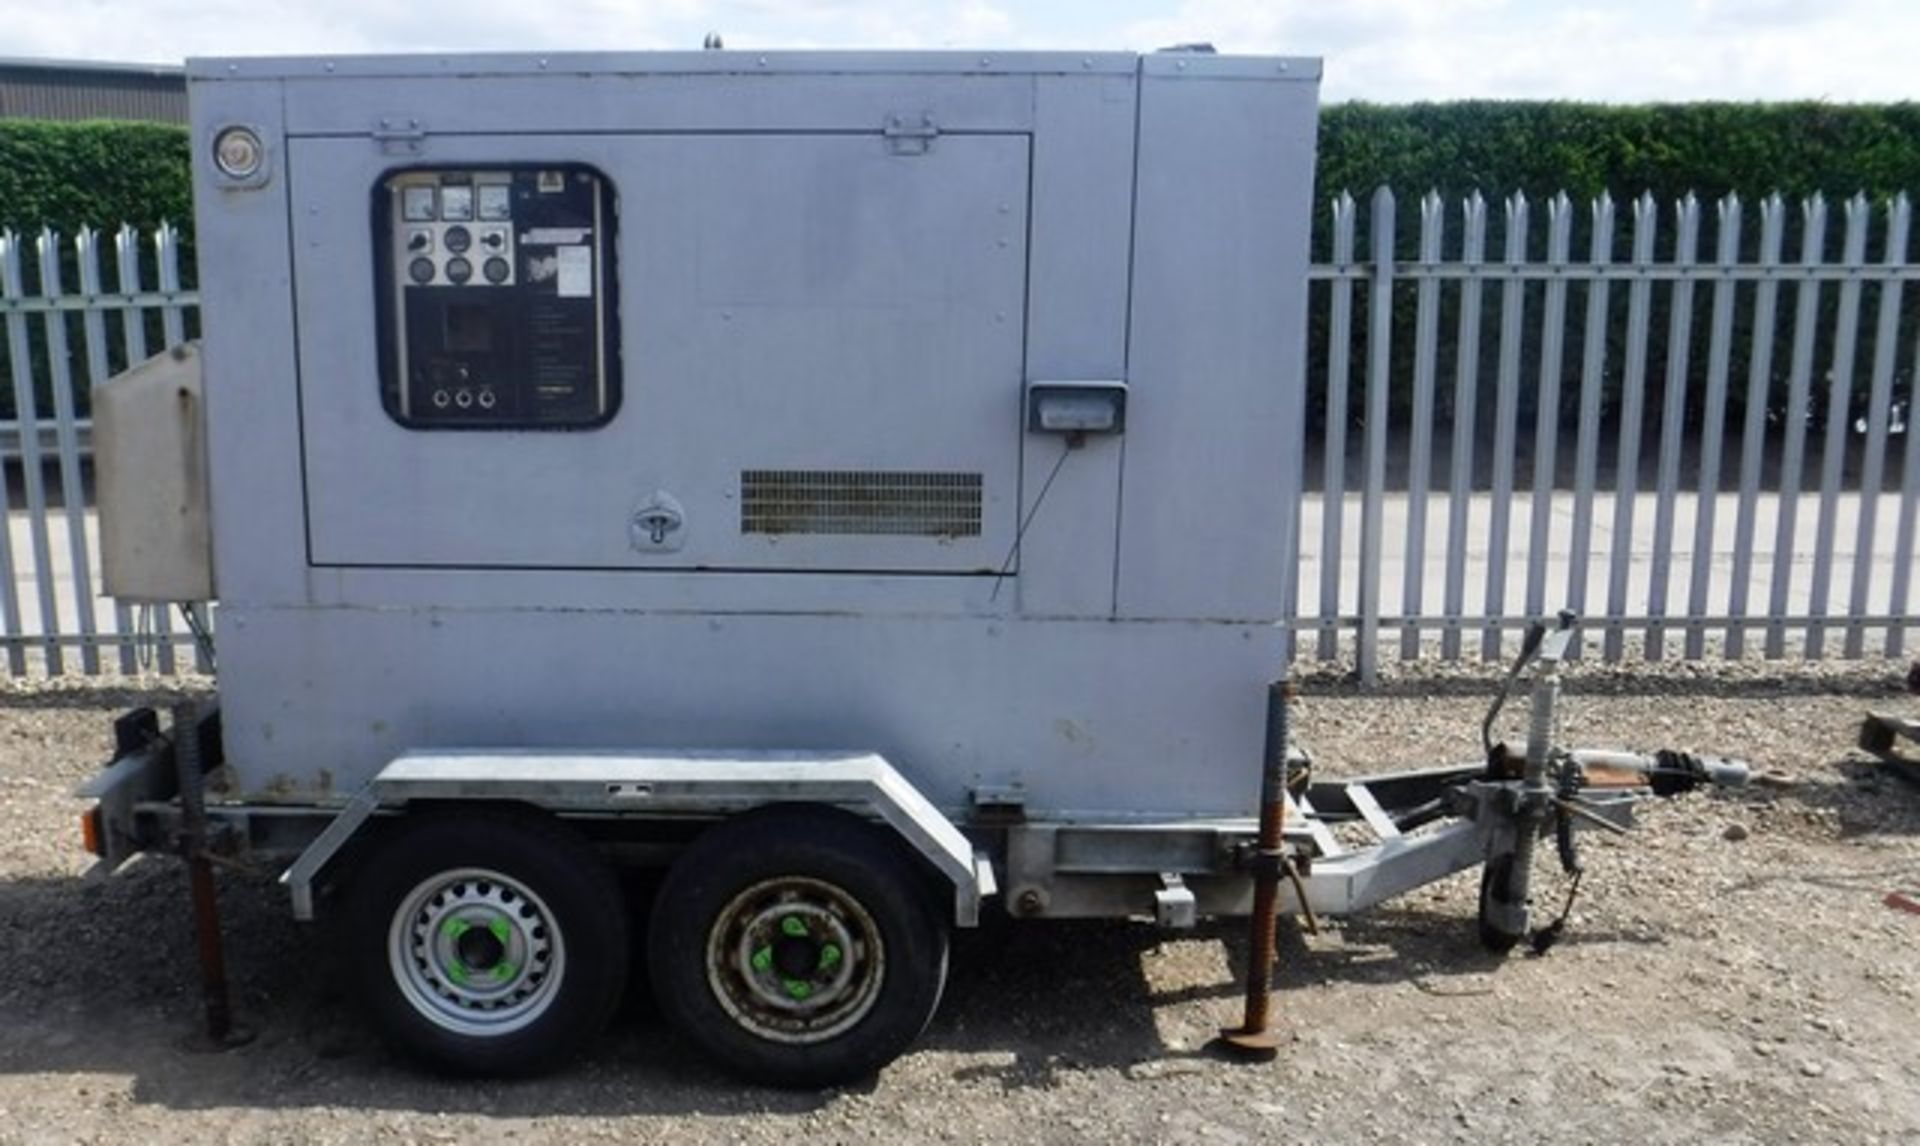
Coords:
pixel 1379 377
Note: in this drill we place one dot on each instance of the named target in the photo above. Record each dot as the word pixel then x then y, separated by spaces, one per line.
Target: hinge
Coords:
pixel 910 134
pixel 398 133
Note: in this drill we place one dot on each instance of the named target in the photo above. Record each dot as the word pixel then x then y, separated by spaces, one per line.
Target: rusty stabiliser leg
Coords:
pixel 1254 1038
pixel 221 1033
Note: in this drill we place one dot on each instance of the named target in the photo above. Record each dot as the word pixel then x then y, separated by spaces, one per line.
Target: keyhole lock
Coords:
pixel 656 526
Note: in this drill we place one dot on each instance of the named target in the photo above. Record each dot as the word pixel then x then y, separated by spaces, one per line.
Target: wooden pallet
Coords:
pixel 1882 734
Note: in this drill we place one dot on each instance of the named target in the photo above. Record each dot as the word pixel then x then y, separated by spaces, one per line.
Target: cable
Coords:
pixel 201 637
pixel 1020 534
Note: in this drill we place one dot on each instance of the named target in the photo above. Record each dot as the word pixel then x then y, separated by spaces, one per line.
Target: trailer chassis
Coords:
pixel 1318 848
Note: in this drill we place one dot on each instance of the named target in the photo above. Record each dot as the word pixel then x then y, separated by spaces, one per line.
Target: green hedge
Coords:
pixel 73 175
pixel 69 175
pixel 1583 149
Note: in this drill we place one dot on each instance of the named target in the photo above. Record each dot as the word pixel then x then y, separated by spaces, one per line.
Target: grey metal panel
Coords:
pixel 1879 407
pixel 1333 498
pixel 1806 321
pixel 581 104
pixel 1673 415
pixel 1077 260
pixel 1753 440
pixel 1546 422
pixel 70 90
pixel 744 63
pixel 747 343
pixel 1466 389
pixel 253 438
pixel 560 65
pixel 1646 222
pixel 1087 717
pixel 1215 346
pixel 1713 426
pixel 73 496
pixel 1379 381
pixel 1426 336
pixel 1833 453
pixel 155 531
pixel 1506 412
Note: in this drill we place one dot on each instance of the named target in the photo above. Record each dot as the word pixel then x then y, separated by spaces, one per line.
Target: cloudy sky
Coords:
pixel 1387 50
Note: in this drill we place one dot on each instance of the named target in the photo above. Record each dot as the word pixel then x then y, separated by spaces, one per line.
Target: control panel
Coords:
pixel 496 308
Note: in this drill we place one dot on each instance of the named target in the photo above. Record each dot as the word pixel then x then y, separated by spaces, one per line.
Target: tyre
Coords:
pixel 484 942
pixel 797 947
pixel 1496 889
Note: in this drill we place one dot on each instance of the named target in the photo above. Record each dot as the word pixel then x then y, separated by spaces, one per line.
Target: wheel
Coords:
pixel 486 943
pixel 1496 888
pixel 797 947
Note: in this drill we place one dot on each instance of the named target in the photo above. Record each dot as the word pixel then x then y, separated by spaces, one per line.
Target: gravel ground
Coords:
pixel 1732 974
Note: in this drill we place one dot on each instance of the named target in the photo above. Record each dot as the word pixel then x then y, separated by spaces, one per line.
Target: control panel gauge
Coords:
pixel 496 291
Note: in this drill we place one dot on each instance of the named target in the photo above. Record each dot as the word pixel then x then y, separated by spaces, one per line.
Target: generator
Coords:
pixel 855 488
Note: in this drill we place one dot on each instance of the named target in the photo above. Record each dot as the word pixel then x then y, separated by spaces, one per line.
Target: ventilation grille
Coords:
pixel 890 503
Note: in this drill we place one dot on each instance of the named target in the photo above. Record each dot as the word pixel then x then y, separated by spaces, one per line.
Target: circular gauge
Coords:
pixel 459 271
pixel 420 270
pixel 458 239
pixel 496 270
pixel 238 153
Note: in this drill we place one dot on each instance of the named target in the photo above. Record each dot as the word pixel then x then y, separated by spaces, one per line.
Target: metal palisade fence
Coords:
pixel 1698 434
pixel 67 328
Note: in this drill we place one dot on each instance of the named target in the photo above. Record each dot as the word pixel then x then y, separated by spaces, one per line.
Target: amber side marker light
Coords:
pixel 90 832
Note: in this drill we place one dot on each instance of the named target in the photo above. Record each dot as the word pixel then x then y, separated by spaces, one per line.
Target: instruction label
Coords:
pixel 576 272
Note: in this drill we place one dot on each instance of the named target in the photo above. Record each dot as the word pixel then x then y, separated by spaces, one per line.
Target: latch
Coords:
pixel 910 134
pixel 656 525
pixel 400 135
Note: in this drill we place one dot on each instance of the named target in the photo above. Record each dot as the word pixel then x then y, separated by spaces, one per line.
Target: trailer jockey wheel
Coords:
pixel 797 946
pixel 1496 892
pixel 486 943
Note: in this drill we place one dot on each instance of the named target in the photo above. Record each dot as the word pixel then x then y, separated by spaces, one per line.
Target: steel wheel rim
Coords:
pixel 476 952
pixel 795 960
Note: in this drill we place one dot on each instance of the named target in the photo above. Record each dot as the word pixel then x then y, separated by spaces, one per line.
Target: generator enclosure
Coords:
pixel 941 406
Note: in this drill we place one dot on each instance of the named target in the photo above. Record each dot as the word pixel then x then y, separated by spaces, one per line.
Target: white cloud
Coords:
pixel 1385 50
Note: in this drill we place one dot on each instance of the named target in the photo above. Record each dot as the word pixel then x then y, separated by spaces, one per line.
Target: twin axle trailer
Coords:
pixel 855 487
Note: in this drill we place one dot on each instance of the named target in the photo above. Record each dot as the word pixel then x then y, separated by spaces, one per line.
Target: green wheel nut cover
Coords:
pixel 763 959
pixel 798 989
pixel 795 926
pixel 829 957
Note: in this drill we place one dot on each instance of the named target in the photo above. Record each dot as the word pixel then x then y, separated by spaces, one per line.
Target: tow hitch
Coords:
pixel 1430 823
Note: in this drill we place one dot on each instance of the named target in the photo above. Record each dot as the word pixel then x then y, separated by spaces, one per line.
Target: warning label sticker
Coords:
pixel 576 272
